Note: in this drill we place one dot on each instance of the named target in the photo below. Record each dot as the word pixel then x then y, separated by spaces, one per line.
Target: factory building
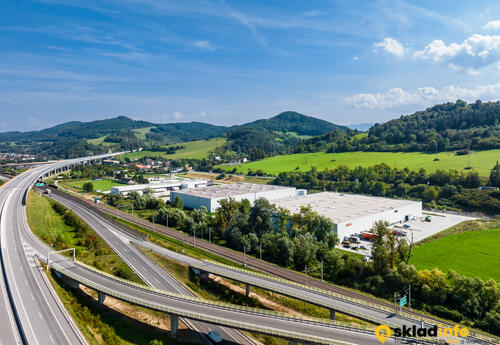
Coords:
pixel 160 189
pixel 351 213
pixel 210 196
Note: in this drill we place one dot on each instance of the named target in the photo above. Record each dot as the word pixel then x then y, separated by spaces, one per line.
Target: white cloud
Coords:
pixel 203 114
pixel 392 46
pixel 425 96
pixel 178 115
pixel 476 51
pixel 355 58
pixel 206 45
pixel 493 25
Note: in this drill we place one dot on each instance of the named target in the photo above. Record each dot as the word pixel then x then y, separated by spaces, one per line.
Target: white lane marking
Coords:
pixel 33 298
pixel 41 316
pixel 3 235
pixel 51 339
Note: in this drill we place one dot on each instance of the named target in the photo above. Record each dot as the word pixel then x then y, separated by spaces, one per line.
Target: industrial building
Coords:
pixel 351 213
pixel 210 196
pixel 160 189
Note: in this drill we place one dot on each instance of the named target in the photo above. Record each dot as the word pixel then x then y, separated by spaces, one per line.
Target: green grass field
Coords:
pixel 141 132
pixel 192 150
pixel 472 253
pixel 482 161
pixel 50 227
pixel 103 185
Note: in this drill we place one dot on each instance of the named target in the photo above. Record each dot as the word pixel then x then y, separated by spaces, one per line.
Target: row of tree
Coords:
pixel 450 189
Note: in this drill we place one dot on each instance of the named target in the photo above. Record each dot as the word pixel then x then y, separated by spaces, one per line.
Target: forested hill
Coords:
pixel 450 125
pixel 122 133
pixel 290 121
pixel 445 127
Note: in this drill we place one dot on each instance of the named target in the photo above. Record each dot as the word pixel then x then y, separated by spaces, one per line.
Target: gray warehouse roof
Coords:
pixel 229 190
pixel 341 207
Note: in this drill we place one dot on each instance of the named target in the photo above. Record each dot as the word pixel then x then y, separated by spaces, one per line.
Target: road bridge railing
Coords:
pixel 206 318
pixel 211 267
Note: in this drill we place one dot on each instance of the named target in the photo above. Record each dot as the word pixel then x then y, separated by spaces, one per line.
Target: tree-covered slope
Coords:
pixel 291 121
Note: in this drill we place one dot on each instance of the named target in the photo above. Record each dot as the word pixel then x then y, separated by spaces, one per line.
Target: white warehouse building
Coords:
pixel 352 213
pixel 210 196
pixel 159 189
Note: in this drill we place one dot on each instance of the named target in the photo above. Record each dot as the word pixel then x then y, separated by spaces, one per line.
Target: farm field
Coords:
pixel 103 185
pixel 100 140
pixel 472 253
pixel 482 161
pixel 192 150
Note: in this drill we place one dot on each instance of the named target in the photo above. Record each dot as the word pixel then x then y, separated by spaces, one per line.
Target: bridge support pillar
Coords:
pixel 174 324
pixel 101 297
pixel 332 314
pixel 204 275
pixel 247 290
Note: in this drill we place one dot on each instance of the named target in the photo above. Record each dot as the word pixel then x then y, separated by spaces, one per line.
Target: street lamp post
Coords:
pixel 245 256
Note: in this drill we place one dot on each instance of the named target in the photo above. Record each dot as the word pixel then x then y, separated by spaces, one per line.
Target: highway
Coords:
pixel 46 320
pixel 302 292
pixel 42 318
pixel 147 270
pixel 38 314
pixel 345 304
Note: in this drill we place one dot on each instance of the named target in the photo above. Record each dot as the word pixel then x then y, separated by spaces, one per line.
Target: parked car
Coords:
pixel 406 226
pixel 362 247
pixel 215 336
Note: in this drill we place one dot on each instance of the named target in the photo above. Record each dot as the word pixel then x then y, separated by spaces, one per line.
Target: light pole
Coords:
pixel 209 236
pixel 245 256
pixel 322 270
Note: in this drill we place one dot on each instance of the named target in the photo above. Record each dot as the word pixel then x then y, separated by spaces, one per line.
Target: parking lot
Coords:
pixel 419 228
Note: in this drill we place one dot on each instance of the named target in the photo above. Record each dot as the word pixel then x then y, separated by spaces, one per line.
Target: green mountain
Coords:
pixel 291 121
pixel 122 133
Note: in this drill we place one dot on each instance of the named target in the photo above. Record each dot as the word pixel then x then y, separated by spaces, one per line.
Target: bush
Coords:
pixel 88 187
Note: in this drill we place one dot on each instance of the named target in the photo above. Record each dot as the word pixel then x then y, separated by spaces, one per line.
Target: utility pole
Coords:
pixel 260 248
pixel 245 256
pixel 209 236
pixel 409 296
pixel 322 270
pixel 194 237
pixel 306 275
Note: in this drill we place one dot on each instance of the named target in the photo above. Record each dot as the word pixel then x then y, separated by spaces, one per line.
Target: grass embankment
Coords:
pixel 192 150
pixel 115 322
pixel 471 248
pixel 482 161
pixel 65 230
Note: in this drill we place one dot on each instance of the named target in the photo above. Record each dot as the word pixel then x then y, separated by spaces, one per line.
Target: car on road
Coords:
pixel 362 247
pixel 215 336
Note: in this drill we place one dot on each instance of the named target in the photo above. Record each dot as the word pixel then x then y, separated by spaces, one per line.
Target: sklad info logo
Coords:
pixel 383 332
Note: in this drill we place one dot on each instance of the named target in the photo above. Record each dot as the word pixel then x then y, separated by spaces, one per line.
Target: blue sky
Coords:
pixel 228 62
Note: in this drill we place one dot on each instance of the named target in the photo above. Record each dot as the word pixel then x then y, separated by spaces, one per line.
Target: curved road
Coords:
pixel 45 322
